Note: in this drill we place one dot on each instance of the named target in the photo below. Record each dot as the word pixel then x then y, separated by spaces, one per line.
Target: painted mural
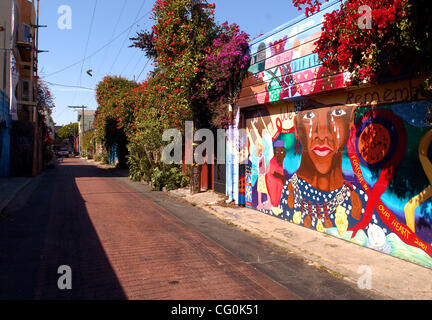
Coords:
pixel 4 135
pixel 362 174
pixel 232 167
pixel 284 66
pixel 352 162
pixel 236 158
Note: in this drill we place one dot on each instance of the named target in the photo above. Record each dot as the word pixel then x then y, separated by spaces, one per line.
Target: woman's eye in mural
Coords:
pixel 338 112
pixel 309 115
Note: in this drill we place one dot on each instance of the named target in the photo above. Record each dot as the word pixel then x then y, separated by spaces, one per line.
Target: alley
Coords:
pixel 123 244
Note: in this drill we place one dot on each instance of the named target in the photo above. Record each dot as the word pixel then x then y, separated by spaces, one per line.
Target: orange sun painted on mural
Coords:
pixel 374 143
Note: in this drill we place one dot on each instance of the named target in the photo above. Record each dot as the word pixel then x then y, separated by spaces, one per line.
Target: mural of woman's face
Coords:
pixel 323 133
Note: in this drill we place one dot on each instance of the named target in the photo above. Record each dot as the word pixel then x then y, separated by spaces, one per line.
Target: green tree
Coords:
pixel 45 104
pixel 88 144
pixel 179 42
pixel 114 116
pixel 195 62
pixel 69 132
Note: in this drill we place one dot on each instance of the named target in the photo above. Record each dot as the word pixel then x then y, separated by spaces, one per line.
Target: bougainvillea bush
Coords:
pixel 226 66
pixel 198 67
pixel 180 38
pixel 154 112
pixel 201 61
pixel 114 114
pixel 398 42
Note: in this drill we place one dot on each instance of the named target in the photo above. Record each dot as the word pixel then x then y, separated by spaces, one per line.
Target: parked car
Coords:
pixel 63 152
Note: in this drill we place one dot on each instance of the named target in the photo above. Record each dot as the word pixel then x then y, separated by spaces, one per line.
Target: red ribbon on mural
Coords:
pixel 374 194
pixel 280 128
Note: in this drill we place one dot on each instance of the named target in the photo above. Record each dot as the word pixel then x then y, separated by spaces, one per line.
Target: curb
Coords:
pixel 308 256
pixel 6 202
pixel 401 286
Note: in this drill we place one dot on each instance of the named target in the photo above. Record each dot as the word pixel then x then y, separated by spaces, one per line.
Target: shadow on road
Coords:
pixel 48 226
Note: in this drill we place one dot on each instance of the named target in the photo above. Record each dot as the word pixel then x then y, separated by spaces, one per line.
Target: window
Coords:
pixel 27 33
pixel 25 90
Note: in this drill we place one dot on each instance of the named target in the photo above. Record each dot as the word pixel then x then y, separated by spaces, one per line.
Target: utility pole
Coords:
pixel 34 80
pixel 33 92
pixel 83 124
pixel 75 147
pixel 2 29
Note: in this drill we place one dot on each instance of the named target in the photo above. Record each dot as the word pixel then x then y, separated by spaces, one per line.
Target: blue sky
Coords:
pixel 112 25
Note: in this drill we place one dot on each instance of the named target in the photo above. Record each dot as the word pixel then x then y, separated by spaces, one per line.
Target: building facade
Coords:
pixel 5 120
pixel 26 61
pixel 18 67
pixel 85 120
pixel 85 124
pixel 351 162
pixel 9 22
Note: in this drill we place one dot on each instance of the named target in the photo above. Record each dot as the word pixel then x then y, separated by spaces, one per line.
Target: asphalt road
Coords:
pixel 122 241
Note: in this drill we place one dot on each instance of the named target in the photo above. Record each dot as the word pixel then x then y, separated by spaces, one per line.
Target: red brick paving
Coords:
pixel 122 245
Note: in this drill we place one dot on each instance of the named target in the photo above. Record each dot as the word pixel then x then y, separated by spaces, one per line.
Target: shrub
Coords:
pixel 88 144
pixel 169 176
pixel 104 157
pixel 139 168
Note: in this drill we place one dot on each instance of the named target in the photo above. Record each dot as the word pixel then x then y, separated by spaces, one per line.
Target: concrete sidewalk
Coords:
pixel 393 277
pixel 9 188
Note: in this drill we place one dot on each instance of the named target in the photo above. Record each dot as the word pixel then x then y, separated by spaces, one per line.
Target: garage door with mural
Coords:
pixel 352 162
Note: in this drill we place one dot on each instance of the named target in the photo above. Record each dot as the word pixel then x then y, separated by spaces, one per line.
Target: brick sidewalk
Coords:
pixel 155 256
pixel 9 187
pixel 118 244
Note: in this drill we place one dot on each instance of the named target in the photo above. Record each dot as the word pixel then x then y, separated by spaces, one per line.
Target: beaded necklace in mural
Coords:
pixel 317 204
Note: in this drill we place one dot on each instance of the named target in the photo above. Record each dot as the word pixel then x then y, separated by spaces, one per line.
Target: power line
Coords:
pixel 118 20
pixel 128 62
pixel 95 52
pixel 143 69
pixel 88 39
pixel 112 34
pixel 59 112
pixel 121 48
pixel 86 47
pixel 68 86
pixel 136 65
